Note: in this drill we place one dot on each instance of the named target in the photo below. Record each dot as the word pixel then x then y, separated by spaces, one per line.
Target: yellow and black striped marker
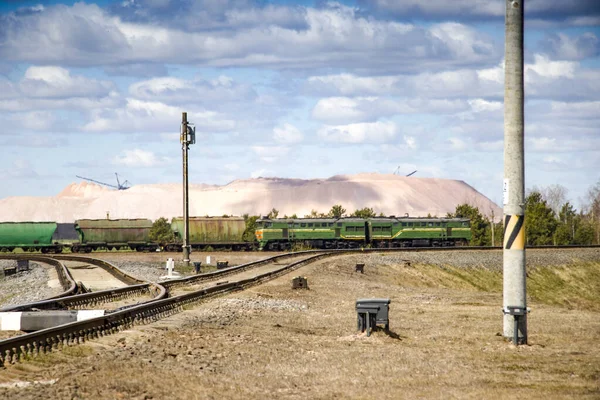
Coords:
pixel 514 232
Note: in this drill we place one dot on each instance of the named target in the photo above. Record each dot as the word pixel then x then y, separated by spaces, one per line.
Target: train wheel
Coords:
pixel 45 250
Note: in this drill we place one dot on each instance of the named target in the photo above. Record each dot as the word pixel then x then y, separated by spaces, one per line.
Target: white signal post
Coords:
pixel 514 290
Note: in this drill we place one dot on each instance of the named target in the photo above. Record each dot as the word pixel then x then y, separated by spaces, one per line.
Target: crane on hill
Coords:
pixel 120 186
pixel 397 171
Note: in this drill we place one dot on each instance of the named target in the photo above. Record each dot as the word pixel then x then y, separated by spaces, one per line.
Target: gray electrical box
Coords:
pixel 372 312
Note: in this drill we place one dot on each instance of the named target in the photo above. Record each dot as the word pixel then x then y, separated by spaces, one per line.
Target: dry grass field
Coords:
pixel 271 342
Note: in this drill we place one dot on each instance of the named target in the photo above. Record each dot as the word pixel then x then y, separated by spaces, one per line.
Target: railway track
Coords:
pixel 31 344
pixel 160 306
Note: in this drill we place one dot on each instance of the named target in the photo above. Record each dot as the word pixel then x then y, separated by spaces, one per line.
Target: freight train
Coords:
pixel 86 235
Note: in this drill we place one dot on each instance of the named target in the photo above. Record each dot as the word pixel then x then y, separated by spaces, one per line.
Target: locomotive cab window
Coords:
pixel 268 224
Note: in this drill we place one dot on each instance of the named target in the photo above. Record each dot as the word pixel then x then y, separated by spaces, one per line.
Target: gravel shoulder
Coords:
pixel 26 286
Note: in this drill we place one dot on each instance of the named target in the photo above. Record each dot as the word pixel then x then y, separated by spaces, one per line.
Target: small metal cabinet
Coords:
pixel 372 312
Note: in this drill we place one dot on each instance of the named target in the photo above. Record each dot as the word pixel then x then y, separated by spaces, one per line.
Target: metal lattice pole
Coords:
pixel 186 204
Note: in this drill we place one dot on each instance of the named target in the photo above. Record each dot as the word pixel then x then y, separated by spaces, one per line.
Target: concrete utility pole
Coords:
pixel 185 142
pixel 514 293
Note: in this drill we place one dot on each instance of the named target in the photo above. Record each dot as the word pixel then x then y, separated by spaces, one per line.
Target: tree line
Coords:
pixel 550 219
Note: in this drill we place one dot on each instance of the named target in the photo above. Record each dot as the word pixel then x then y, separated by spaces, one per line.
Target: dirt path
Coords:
pixel 92 276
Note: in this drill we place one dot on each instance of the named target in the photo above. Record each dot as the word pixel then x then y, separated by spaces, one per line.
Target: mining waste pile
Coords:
pixel 385 193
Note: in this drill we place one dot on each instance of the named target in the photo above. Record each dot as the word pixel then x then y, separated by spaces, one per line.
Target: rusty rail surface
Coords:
pixel 31 344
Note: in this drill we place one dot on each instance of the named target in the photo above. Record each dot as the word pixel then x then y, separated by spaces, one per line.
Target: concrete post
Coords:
pixel 186 220
pixel 514 293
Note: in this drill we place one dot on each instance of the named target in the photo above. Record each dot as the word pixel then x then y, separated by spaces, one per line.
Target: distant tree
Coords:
pixel 337 211
pixel 584 231
pixel 273 213
pixel 565 231
pixel 313 214
pixel 478 223
pixel 593 210
pixel 364 213
pixel 161 231
pixel 540 224
pixel 250 221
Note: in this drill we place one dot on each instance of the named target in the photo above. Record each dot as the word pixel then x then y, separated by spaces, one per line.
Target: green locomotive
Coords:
pixel 342 233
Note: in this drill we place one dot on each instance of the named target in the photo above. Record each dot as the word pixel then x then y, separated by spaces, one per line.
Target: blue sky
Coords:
pixel 293 89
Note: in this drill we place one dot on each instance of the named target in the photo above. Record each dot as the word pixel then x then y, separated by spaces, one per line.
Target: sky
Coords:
pixel 292 89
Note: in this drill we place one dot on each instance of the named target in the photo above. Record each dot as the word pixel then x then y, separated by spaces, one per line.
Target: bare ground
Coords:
pixel 272 342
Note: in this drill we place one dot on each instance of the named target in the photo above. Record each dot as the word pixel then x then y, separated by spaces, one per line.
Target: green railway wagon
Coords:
pixel 113 234
pixel 217 232
pixel 28 236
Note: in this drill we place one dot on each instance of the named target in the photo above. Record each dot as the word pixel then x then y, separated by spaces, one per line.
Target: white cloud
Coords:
pixel 287 134
pixel 457 144
pixel 461 40
pixel 360 109
pixel 334 35
pixel 374 132
pixel 263 172
pixel 566 47
pixel 547 68
pixel 157 117
pixel 55 84
pixel 139 158
pixel 198 91
pixel 270 154
pixel 479 105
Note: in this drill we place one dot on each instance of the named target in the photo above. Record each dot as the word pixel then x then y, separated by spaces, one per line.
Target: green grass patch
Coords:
pixel 574 286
